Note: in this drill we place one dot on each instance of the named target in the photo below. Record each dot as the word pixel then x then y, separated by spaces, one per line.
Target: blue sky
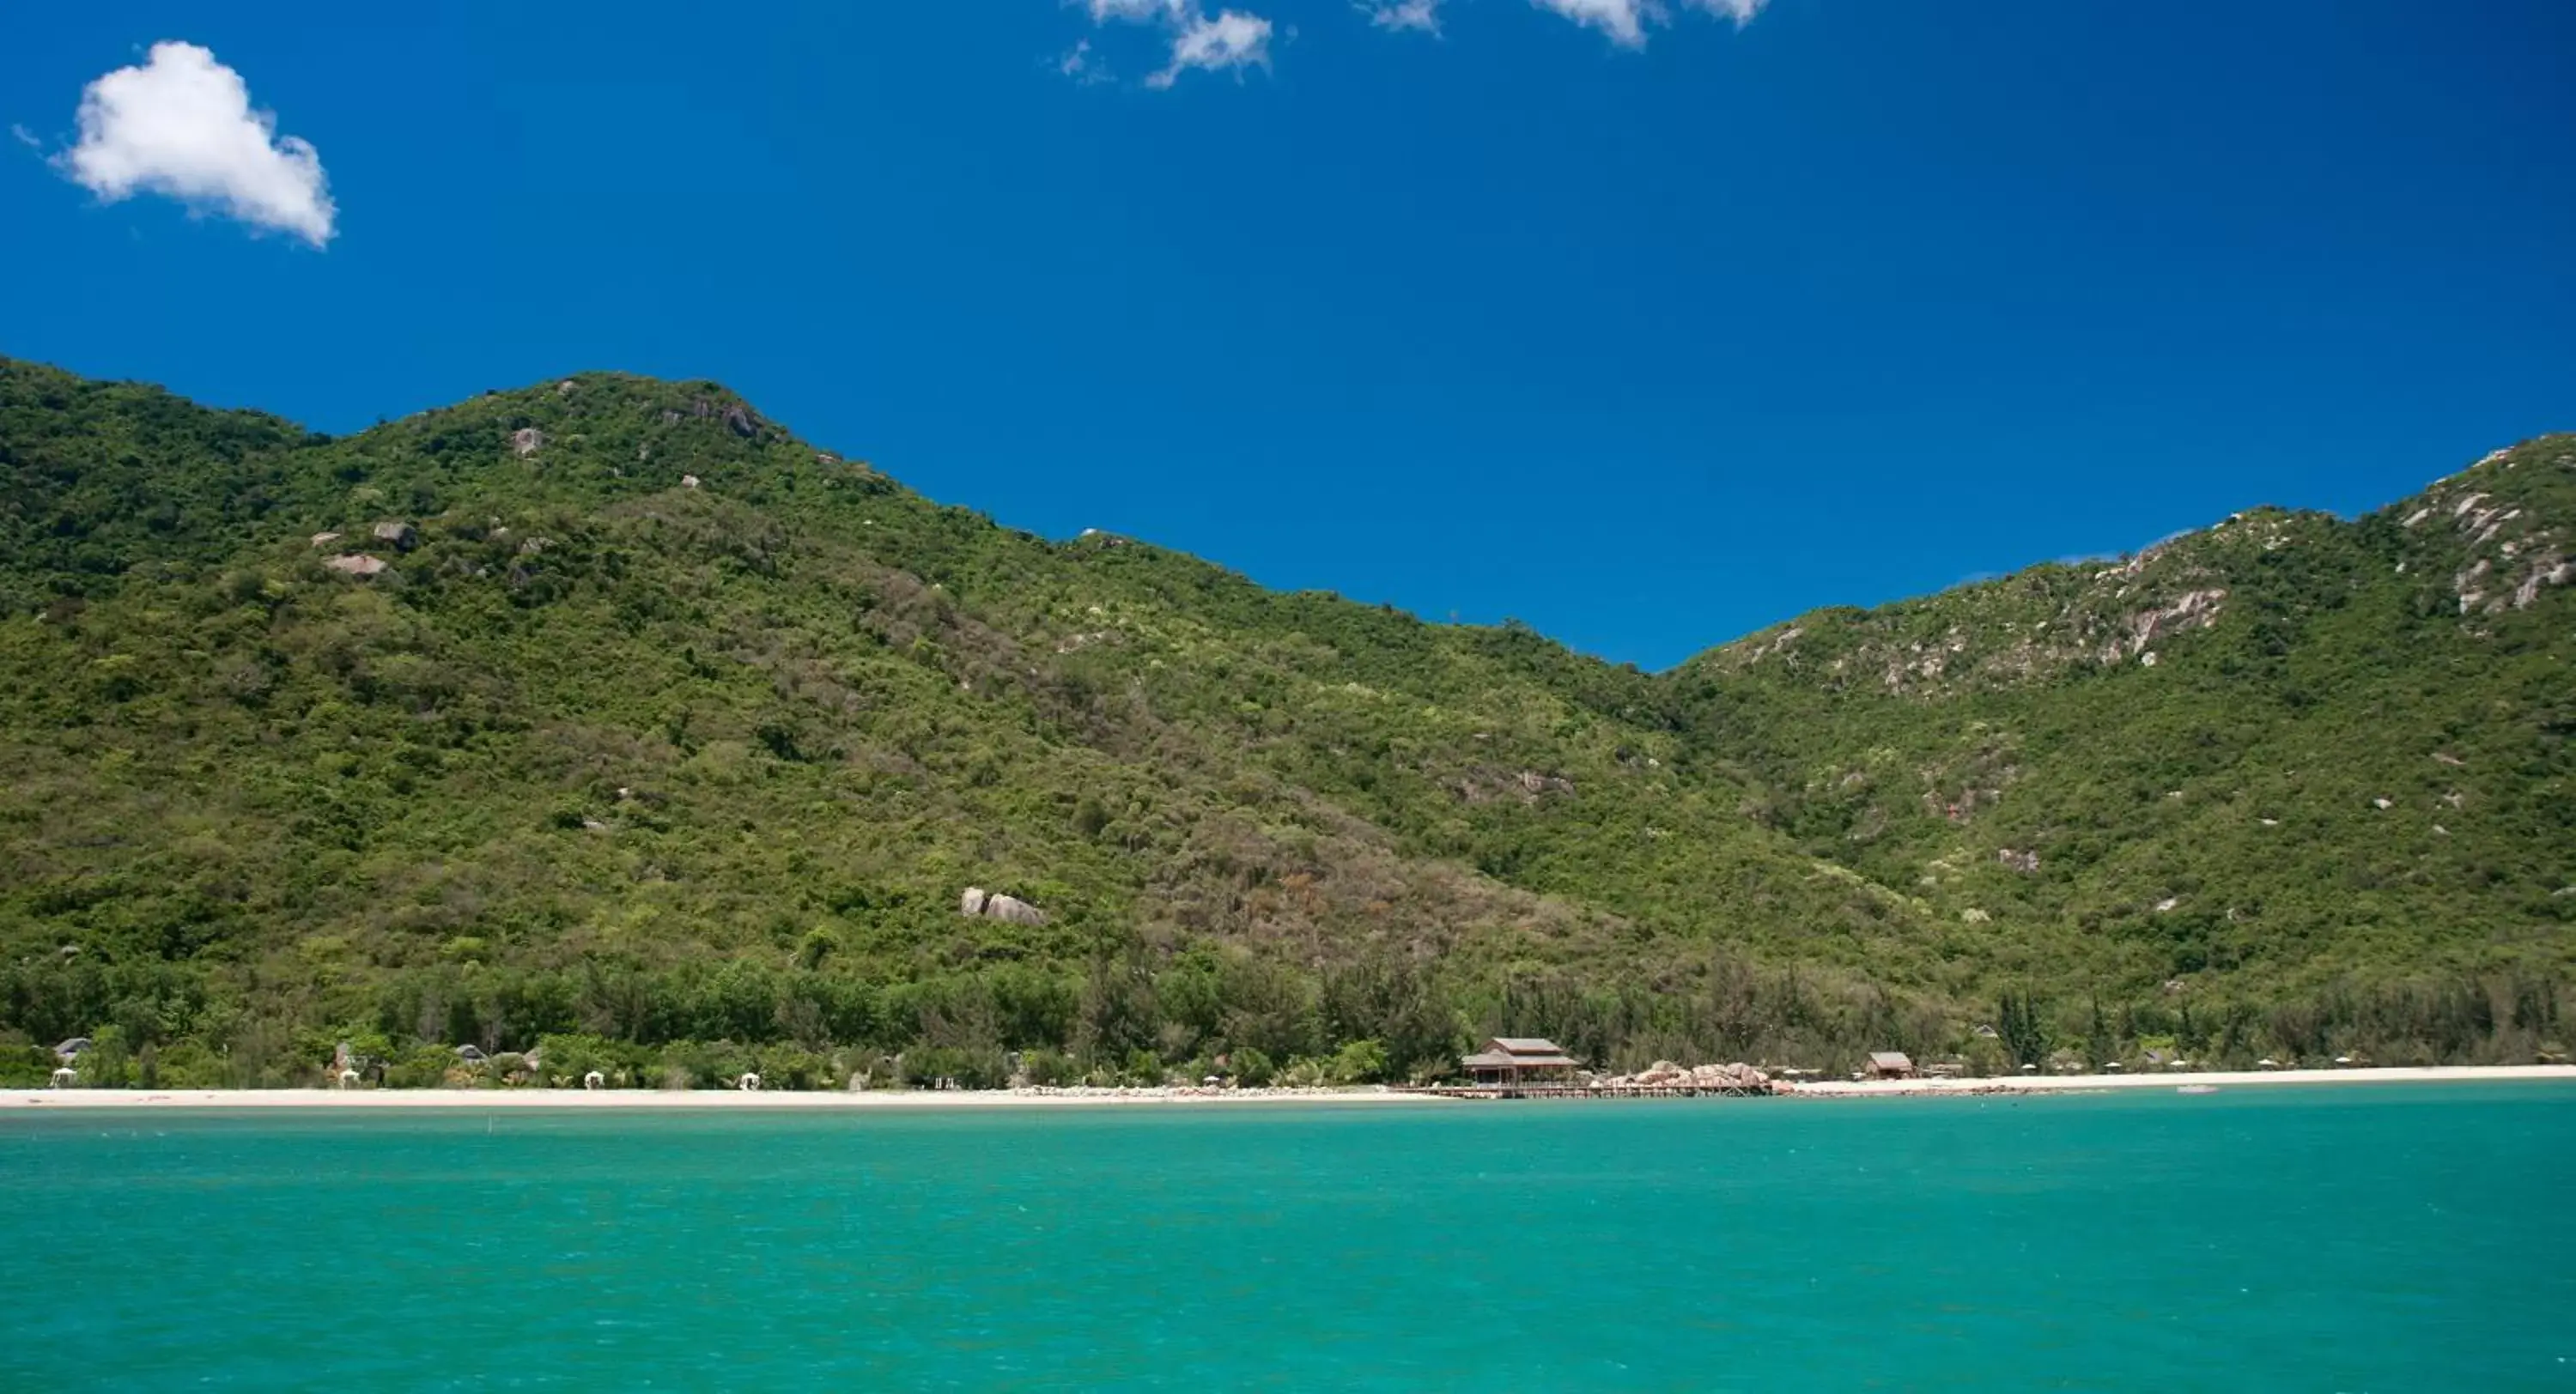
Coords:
pixel 1648 328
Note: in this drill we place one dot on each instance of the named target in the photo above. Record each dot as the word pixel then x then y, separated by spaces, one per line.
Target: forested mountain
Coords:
pixel 608 714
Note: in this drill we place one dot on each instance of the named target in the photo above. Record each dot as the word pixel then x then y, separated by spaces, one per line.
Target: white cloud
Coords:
pixel 182 126
pixel 1140 11
pixel 1626 21
pixel 1623 20
pixel 24 136
pixel 1741 11
pixel 1232 40
pixel 1420 15
pixel 1078 64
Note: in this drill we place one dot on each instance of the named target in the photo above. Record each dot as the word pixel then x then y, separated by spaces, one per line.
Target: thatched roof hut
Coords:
pixel 1890 1064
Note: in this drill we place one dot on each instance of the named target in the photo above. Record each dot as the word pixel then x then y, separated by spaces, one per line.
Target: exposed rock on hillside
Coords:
pixel 979 903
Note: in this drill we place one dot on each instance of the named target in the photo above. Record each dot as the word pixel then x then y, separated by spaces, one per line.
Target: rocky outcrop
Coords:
pixel 402 537
pixel 1013 910
pixel 2514 550
pixel 739 419
pixel 356 564
pixel 526 441
pixel 1664 1074
pixel 2197 609
pixel 978 903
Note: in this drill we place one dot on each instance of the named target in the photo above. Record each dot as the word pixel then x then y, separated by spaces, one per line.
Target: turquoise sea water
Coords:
pixel 2382 1238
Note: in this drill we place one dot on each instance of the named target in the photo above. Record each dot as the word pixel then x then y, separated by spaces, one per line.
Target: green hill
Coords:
pixel 607 714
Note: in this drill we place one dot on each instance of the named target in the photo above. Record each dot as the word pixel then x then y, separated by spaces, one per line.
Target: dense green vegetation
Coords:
pixel 668 744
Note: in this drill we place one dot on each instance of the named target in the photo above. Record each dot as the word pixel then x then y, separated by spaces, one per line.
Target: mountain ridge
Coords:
pixel 659 726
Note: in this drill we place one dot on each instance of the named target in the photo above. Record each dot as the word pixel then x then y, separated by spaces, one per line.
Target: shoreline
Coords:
pixel 668 1099
pixel 2178 1079
pixel 646 1100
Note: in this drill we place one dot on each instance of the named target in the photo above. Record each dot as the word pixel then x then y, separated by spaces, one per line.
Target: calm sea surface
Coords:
pixel 2355 1238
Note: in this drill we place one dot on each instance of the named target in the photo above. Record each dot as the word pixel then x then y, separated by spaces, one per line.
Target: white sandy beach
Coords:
pixel 680 1098
pixel 1169 1098
pixel 2177 1079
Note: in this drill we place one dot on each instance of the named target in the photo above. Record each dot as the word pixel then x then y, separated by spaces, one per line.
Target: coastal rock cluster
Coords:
pixel 1664 1074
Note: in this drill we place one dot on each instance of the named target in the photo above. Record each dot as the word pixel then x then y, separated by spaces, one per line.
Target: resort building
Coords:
pixel 1513 1061
pixel 1890 1064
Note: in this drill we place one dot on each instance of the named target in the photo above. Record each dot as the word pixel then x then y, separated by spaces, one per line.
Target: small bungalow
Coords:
pixel 1513 1061
pixel 1889 1064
